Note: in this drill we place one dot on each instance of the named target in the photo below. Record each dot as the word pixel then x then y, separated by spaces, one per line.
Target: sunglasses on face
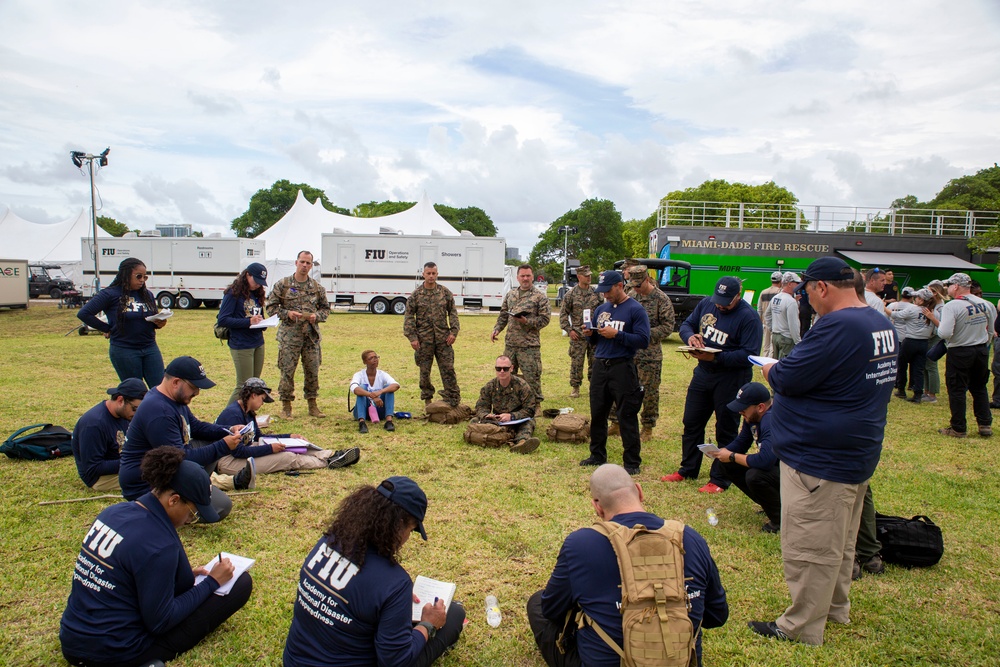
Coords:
pixel 502 369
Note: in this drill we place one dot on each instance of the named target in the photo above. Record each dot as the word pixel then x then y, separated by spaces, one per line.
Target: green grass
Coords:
pixel 496 520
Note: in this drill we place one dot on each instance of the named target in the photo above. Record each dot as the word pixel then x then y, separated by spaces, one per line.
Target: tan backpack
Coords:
pixel 569 428
pixel 655 623
pixel 487 435
pixel 440 412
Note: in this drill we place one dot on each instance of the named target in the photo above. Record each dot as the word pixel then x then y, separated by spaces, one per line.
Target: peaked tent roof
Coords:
pixel 302 227
pixel 40 242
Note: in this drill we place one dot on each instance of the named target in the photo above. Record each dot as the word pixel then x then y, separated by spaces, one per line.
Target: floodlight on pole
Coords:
pixel 567 230
pixel 78 158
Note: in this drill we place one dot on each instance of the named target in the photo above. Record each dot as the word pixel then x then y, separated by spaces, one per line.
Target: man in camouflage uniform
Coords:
pixel 431 326
pixel 300 303
pixel 527 311
pixel 507 397
pixel 649 362
pixel 581 297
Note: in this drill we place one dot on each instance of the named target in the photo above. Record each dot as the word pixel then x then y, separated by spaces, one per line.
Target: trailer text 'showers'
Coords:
pixel 381 270
pixel 183 272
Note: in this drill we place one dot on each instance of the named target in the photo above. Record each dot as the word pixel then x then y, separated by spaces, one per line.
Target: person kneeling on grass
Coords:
pixel 272 457
pixel 373 387
pixel 134 599
pixel 355 601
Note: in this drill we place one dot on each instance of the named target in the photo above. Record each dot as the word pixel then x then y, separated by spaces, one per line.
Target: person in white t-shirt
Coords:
pixel 373 387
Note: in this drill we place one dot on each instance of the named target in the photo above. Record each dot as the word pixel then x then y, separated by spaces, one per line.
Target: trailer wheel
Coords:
pixel 379 306
pixel 187 302
pixel 399 306
pixel 165 300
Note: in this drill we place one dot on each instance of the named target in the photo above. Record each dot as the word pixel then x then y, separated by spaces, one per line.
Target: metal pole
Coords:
pixel 93 219
pixel 565 254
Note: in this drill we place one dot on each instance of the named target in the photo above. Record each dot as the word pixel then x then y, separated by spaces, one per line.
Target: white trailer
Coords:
pixel 183 272
pixel 13 283
pixel 380 271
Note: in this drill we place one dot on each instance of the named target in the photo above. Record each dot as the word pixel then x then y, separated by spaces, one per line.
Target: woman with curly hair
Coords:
pixel 355 601
pixel 127 303
pixel 134 599
pixel 242 307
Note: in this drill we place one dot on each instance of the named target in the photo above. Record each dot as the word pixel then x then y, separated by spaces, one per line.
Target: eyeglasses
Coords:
pixel 502 369
pixel 133 406
pixel 193 512
pixel 140 276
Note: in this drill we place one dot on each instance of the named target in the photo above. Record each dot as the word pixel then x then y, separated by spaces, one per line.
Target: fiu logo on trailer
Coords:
pixel 374 253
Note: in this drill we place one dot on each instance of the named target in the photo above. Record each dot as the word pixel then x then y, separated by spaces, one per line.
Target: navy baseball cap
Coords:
pixel 828 269
pixel 192 483
pixel 259 273
pixel 404 492
pixel 608 279
pixel 130 388
pixel 727 289
pixel 190 369
pixel 752 393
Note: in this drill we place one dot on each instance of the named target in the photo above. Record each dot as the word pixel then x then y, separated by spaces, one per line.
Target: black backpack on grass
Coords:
pixel 47 443
pixel 915 542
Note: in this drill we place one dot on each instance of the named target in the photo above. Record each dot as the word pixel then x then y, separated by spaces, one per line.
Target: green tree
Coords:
pixel 267 206
pixel 113 227
pixel 375 209
pixel 636 236
pixel 773 205
pixel 470 218
pixel 597 241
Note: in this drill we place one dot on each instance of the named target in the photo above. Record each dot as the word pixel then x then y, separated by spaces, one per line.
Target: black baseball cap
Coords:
pixel 828 269
pixel 130 388
pixel 190 369
pixel 752 393
pixel 608 279
pixel 259 273
pixel 727 289
pixel 192 483
pixel 404 492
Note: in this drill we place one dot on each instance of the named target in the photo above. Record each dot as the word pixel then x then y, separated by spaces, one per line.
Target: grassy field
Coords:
pixel 496 520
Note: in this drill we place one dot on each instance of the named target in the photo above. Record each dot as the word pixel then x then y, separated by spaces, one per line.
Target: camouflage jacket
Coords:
pixel 309 297
pixel 661 319
pixel 518 301
pixel 517 398
pixel 573 305
pixel 431 315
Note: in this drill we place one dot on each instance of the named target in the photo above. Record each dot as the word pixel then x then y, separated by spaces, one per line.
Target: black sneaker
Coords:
pixel 768 629
pixel 771 527
pixel 362 427
pixel 389 426
pixel 591 461
pixel 343 458
pixel 246 478
pixel 632 471
pixel 916 398
pixel 873 565
pixel 900 393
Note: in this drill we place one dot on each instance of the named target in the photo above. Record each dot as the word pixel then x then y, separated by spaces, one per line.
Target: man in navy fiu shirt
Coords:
pixel 724 322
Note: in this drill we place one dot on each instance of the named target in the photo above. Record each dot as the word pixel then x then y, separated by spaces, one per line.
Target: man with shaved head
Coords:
pixel 587 577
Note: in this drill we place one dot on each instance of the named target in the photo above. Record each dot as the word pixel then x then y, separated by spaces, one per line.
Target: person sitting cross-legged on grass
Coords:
pixel 373 387
pixel 507 398
pixel 274 456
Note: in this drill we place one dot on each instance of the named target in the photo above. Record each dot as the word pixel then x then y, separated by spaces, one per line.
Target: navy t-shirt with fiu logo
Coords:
pixel 738 333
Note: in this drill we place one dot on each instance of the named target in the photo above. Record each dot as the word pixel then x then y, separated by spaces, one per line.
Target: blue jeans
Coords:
pixel 145 364
pixel 361 407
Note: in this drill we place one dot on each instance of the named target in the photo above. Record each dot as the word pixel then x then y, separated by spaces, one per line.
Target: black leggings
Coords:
pixel 188 633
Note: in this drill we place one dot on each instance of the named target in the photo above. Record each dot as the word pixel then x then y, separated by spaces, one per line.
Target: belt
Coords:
pixel 615 360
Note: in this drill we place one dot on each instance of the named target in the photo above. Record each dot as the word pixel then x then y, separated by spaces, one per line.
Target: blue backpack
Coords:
pixel 47 443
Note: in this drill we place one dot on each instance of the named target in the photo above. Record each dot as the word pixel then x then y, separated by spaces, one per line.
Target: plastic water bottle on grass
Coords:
pixel 713 520
pixel 492 611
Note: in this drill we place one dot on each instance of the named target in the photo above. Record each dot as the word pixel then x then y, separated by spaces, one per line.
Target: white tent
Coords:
pixel 303 226
pixel 55 243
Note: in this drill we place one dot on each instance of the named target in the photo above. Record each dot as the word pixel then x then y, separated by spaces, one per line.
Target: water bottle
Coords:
pixel 492 611
pixel 713 520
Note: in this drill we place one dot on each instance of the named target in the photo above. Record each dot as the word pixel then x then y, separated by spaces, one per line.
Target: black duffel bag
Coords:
pixel 915 542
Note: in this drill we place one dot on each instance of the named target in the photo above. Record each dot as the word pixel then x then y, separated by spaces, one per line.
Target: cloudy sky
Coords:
pixel 523 109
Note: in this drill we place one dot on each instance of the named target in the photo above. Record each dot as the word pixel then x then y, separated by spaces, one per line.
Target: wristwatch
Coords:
pixel 431 630
pixel 732 457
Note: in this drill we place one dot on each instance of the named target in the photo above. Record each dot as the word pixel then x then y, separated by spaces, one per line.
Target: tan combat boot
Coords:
pixel 647 434
pixel 314 410
pixel 286 409
pixel 575 393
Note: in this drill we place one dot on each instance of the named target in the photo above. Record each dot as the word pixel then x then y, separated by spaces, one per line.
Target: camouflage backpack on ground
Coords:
pixel 485 434
pixel 569 428
pixel 440 412
pixel 655 622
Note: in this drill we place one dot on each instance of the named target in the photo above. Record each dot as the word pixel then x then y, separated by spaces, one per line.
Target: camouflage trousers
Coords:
pixel 527 361
pixel 521 431
pixel 289 352
pixel 578 350
pixel 445 355
pixel 649 375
